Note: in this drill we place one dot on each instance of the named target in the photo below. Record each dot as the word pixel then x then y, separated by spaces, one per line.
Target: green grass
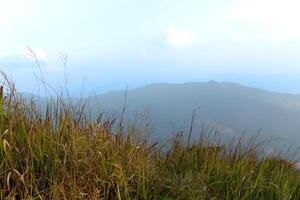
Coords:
pixel 60 156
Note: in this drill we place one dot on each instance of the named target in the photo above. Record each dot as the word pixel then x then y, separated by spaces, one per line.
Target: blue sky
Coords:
pixel 111 44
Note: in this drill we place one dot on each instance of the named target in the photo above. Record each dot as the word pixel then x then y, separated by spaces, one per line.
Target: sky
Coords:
pixel 111 45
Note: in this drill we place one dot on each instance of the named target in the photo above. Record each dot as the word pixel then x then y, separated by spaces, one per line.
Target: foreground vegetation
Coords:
pixel 62 155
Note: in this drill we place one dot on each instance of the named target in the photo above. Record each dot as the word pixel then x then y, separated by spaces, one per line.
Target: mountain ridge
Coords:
pixel 232 108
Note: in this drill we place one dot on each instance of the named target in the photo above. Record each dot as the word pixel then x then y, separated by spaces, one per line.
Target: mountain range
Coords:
pixel 231 109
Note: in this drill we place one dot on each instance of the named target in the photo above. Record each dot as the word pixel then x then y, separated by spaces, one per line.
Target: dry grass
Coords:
pixel 60 155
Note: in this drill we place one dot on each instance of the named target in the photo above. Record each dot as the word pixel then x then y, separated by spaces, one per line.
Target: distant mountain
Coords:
pixel 232 108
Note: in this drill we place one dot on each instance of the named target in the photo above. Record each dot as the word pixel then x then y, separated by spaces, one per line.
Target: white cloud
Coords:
pixel 144 53
pixel 36 53
pixel 178 38
pixel 269 19
pixel 50 65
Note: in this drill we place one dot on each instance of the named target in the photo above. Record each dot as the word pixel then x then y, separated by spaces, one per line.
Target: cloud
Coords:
pixel 178 38
pixel 268 19
pixel 144 53
pixel 36 53
pixel 25 59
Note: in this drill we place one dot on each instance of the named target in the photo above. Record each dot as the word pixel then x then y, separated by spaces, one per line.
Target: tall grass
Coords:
pixel 62 155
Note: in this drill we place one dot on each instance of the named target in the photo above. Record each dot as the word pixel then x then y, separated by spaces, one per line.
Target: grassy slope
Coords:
pixel 60 156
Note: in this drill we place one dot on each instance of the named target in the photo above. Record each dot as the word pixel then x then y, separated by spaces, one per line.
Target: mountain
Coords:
pixel 231 108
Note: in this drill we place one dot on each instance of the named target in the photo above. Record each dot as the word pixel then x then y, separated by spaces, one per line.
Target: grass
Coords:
pixel 58 155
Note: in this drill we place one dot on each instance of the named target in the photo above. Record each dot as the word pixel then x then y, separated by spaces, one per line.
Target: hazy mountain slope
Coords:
pixel 231 107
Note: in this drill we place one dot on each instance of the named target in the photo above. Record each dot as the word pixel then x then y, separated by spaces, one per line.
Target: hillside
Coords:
pixel 61 155
pixel 232 108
